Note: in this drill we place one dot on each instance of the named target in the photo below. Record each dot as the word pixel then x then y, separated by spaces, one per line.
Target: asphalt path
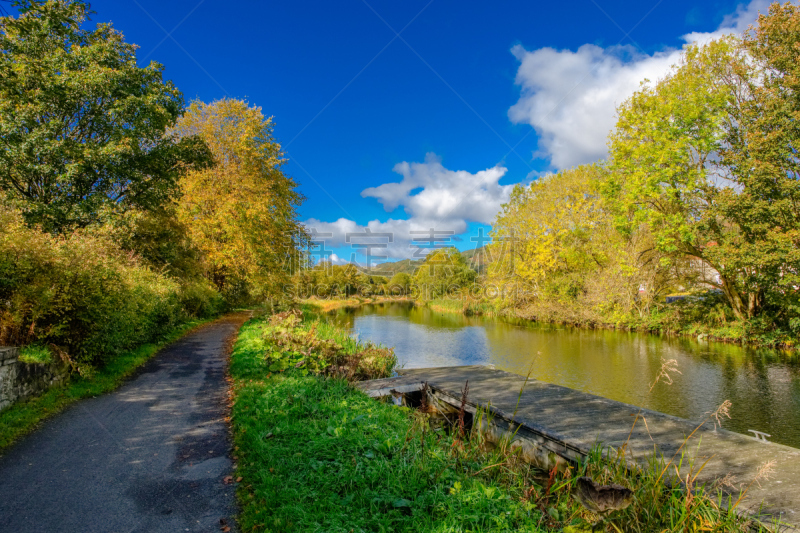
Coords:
pixel 151 456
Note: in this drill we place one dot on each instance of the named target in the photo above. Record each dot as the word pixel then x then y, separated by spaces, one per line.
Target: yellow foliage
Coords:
pixel 557 252
pixel 241 213
pixel 557 223
pixel 79 292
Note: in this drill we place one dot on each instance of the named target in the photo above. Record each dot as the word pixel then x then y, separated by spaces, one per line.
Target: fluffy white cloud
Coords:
pixel 445 195
pixel 436 199
pixel 336 260
pixel 571 98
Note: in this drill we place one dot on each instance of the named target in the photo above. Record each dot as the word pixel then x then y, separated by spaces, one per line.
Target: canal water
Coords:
pixel 763 385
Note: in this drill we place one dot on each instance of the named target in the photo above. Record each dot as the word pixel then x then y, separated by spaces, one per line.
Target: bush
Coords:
pixel 83 296
pixel 199 298
pixel 294 339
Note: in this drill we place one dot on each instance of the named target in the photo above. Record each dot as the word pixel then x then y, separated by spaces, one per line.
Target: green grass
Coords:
pixel 36 354
pixel 462 306
pixel 23 417
pixel 315 454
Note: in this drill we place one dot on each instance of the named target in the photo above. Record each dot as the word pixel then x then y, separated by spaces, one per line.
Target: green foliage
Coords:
pixel 706 157
pixel 80 294
pixel 157 238
pixel 662 148
pixel 761 157
pixel 399 284
pixel 326 280
pixel 666 172
pixel 82 126
pixel 315 346
pixel 444 272
pixel 371 285
pixel 199 298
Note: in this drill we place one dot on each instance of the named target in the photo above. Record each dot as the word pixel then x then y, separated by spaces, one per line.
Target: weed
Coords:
pixel 36 353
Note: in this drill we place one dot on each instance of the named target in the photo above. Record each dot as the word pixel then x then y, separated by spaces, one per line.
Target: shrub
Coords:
pixel 316 346
pixel 82 295
pixel 199 298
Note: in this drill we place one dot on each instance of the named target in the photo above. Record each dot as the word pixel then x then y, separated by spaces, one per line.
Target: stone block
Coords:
pixel 22 380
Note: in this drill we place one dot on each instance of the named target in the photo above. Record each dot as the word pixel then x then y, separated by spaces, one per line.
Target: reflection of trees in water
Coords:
pixel 763 385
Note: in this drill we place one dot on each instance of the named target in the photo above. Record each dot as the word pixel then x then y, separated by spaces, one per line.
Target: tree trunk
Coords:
pixel 734 298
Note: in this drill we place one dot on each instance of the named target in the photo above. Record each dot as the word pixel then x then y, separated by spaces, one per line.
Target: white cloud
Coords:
pixel 446 194
pixel 336 260
pixel 434 197
pixel 571 98
pixel 737 22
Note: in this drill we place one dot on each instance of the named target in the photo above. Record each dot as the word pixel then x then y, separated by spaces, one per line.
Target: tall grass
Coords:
pixel 324 305
pixel 667 493
pixel 300 340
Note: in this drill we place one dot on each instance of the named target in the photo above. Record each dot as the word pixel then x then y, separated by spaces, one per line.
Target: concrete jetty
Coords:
pixel 569 423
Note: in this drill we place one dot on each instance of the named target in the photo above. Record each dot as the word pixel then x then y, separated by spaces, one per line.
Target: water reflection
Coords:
pixel 763 385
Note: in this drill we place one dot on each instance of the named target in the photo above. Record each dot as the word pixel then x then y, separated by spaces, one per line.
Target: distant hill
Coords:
pixel 477 259
pixel 409 266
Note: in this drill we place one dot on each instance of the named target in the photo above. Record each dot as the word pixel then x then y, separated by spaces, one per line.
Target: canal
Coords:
pixel 763 385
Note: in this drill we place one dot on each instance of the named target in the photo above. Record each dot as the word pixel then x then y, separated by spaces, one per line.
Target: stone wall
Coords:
pixel 22 380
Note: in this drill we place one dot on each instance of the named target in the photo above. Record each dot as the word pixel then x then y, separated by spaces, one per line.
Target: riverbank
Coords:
pixel 24 417
pixel 325 305
pixel 315 454
pixel 680 319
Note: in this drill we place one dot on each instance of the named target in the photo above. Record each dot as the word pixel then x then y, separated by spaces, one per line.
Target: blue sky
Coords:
pixel 500 91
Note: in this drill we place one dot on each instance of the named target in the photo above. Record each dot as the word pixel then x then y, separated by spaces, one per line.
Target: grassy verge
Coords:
pixel 462 306
pixel 315 454
pixel 22 418
pixel 325 305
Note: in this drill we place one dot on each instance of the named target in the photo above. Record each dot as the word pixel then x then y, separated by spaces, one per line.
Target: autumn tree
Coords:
pixel 242 213
pixel 83 128
pixel 666 170
pixel 444 272
pixel 557 253
pixel 399 284
pixel 706 157
pixel 762 159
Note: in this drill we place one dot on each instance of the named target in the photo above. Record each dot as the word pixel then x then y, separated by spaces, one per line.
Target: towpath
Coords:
pixel 151 456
